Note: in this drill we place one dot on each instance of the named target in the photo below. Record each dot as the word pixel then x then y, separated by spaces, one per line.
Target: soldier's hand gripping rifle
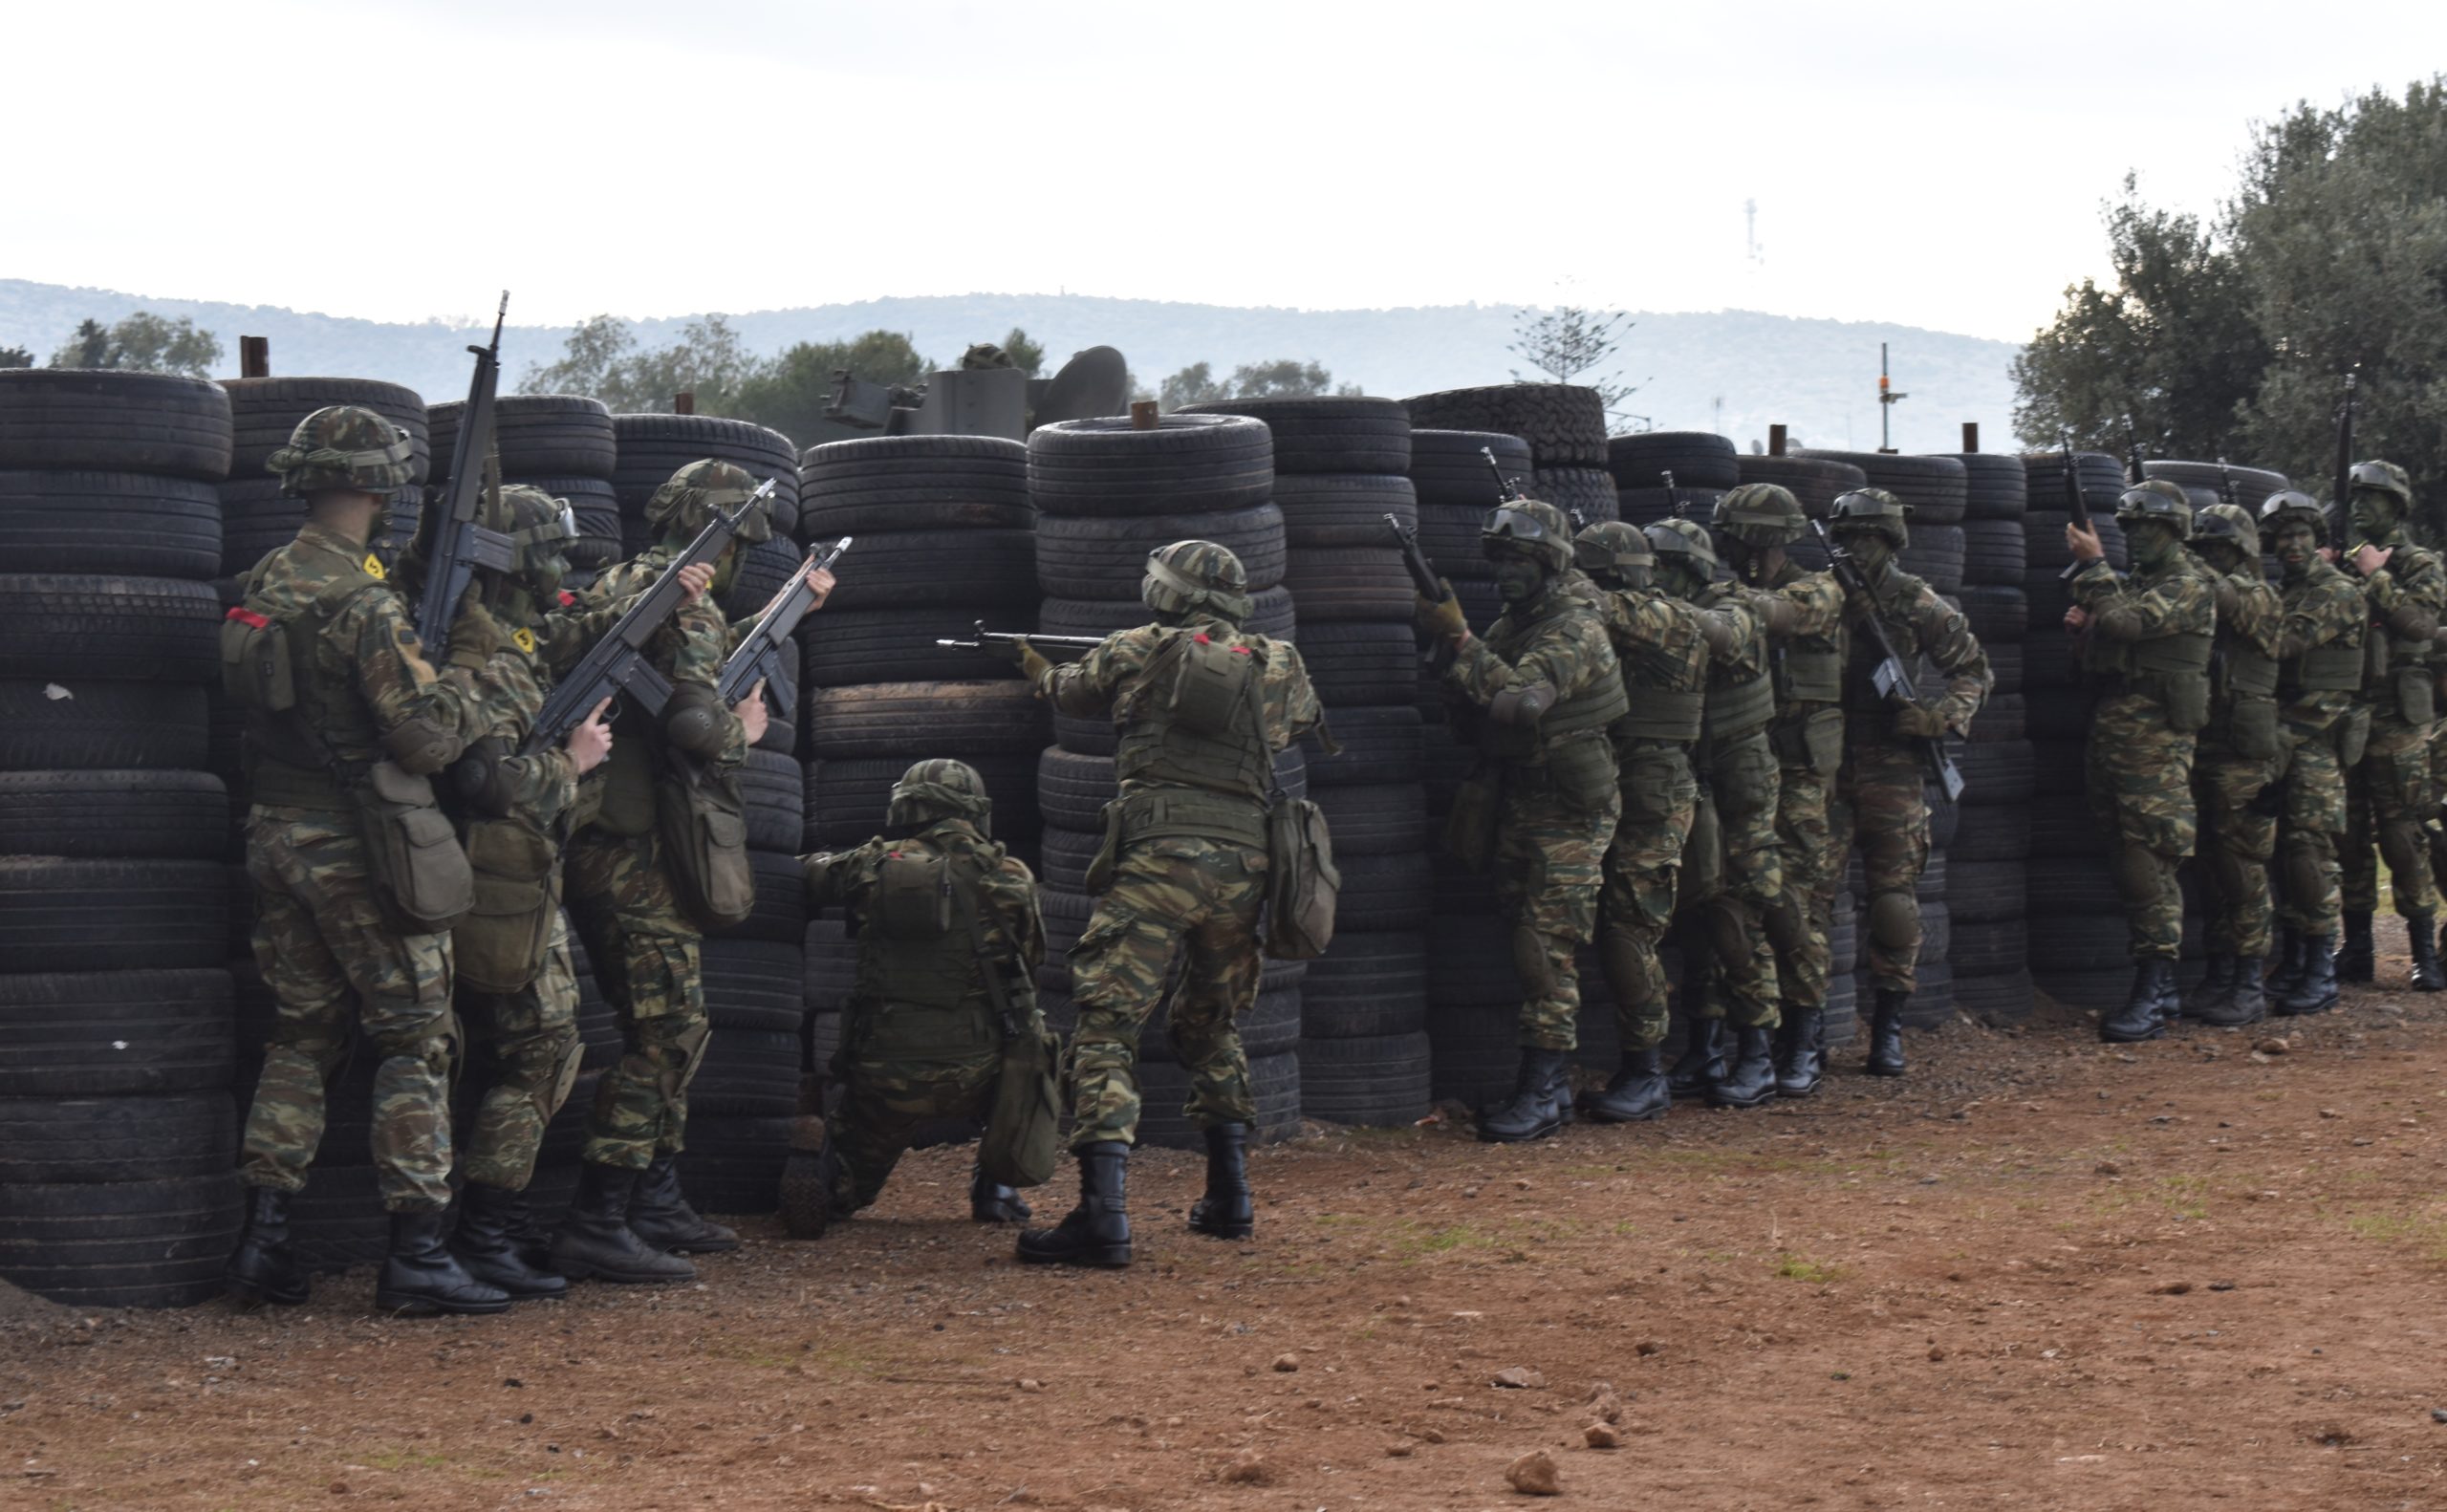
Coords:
pixel 986 637
pixel 1891 677
pixel 759 657
pixel 456 544
pixel 2075 506
pixel 618 663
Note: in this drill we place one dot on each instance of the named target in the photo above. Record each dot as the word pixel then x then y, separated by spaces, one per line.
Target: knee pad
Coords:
pixel 2400 845
pixel 1728 928
pixel 564 1079
pixel 2140 874
pixel 1530 960
pixel 2226 874
pixel 2305 877
pixel 1787 929
pixel 1632 971
pixel 1895 921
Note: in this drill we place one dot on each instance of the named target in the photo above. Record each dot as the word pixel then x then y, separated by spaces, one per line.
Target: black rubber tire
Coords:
pixel 1992 832
pixel 84 721
pixel 1563 423
pixel 653 447
pixel 108 420
pixel 173 815
pixel 1645 506
pixel 1346 583
pixel 1813 481
pixel 1187 465
pixel 1366 983
pixel 2252 485
pixel 1072 788
pixel 1936 487
pixel 1996 998
pixel 957 719
pixel 116 1033
pixel 842 648
pixel 1380 743
pixel 978 571
pixel 151 1244
pixel 754 986
pixel 1383 892
pixel 2006 663
pixel 1983 949
pixel 1375 819
pixel 1105 557
pixel 1164 1091
pixel 64 626
pixel 1997 487
pixel 2061 885
pixel 1985 892
pixel 108 523
pixel 846 798
pixel 1365 1083
pixel 1361 662
pixel 1065 855
pixel 1326 433
pixel 914 483
pixel 734 1165
pixel 761 573
pixel 775 791
pixel 2043 551
pixel 1697 458
pixel 539 436
pixel 155 1138
pixel 1447 470
pixel 1935 555
pixel 1270 613
pixel 752 1073
pixel 1345 509
pixel 1586 495
pixel 2003 718
pixel 111 914
pixel 1998 612
pixel 263 414
pixel 779 915
pixel 1993 552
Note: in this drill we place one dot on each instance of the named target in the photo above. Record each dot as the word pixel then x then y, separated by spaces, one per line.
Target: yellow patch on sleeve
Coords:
pixel 524 639
pixel 374 567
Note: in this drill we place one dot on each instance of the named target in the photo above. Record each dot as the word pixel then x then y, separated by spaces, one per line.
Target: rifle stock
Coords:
pixel 1892 678
pixel 456 544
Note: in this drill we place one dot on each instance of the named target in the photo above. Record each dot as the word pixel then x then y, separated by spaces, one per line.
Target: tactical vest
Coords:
pixel 289 755
pixel 1808 669
pixel 1197 720
pixel 2395 667
pixel 1665 685
pixel 921 991
pixel 1861 659
pixel 1595 707
pixel 1739 701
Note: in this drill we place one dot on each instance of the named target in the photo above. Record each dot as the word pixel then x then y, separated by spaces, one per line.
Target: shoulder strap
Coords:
pixel 996 993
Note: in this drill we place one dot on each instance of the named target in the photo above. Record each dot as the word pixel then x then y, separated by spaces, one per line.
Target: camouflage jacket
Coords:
pixel 2321 607
pixel 690 647
pixel 1661 643
pixel 2180 599
pixel 1111 678
pixel 1919 624
pixel 2406 598
pixel 543 788
pixel 1006 895
pixel 1558 639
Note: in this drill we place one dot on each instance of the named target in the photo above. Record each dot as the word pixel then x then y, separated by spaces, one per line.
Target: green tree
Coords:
pixel 142 344
pixel 593 351
pixel 89 348
pixel 1284 378
pixel 1026 354
pixel 1564 343
pixel 790 392
pixel 1194 384
pixel 16 358
pixel 601 360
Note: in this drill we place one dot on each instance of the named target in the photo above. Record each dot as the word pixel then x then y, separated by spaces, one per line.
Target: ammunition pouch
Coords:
pixel 1656 785
pixel 1703 852
pixel 2331 668
pixel 1303 883
pixel 1470 824
pixel 912 896
pixel 412 850
pixel 2353 735
pixel 703 824
pixel 2415 704
pixel 256 672
pixel 626 802
pixel 1736 709
pixel 1022 1143
pixel 1809 674
pixel 1813 743
pixel 1660 714
pixel 2177 668
pixel 2252 729
pixel 1580 771
pixel 501 944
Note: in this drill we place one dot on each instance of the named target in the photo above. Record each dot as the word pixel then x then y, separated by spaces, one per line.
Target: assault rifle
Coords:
pixel 2133 452
pixel 618 663
pixel 1422 571
pixel 456 544
pixel 1506 489
pixel 2226 493
pixel 1891 677
pixel 2340 503
pixel 759 657
pixel 2074 505
pixel 1003 638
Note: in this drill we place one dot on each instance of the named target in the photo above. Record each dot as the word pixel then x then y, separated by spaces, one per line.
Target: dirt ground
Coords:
pixel 2041 1272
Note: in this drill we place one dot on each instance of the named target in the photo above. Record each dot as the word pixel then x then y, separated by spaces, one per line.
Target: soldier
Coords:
pixel 629 1221
pixel 2387 794
pixel 939 990
pixel 345 723
pixel 2319 652
pixel 1203 707
pixel 1545 687
pixel 1804 618
pixel 2151 635
pixel 1881 798
pixel 1661 644
pixel 2238 755
pixel 1738 773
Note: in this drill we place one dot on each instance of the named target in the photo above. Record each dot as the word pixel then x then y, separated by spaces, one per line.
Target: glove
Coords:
pixel 1439 618
pixel 474 635
pixel 1019 654
pixel 1919 722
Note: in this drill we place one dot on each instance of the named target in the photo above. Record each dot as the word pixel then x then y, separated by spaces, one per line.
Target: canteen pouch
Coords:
pixel 1743 777
pixel 2414 703
pixel 1580 768
pixel 703 828
pixel 2251 729
pixel 1469 827
pixel 1703 852
pixel 255 668
pixel 2186 695
pixel 413 851
pixel 1303 883
pixel 2353 735
pixel 1022 1142
pixel 1210 685
pixel 501 944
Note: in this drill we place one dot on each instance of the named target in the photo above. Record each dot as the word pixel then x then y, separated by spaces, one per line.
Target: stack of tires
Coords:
pixel 2205 483
pixel 1341 467
pixel 942 528
pixel 1817 482
pixel 653 447
pixel 561 444
pixel 1985 893
pixel 2076 934
pixel 1106 495
pixel 1702 464
pixel 255 515
pixel 1563 423
pixel 118 1123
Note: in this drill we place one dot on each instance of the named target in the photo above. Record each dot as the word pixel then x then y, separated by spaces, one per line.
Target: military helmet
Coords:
pixel 1531 526
pixel 2230 523
pixel 686 503
pixel 2289 505
pixel 938 790
pixel 2384 476
pixel 1688 540
pixel 1196 575
pixel 1872 509
pixel 540 526
pixel 343 446
pixel 2156 499
pixel 1760 515
pixel 1611 548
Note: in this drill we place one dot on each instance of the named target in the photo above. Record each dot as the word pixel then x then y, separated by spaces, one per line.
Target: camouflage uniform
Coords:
pixel 923 1040
pixel 2388 796
pixel 2238 753
pixel 1738 768
pixel 2323 611
pixel 1805 617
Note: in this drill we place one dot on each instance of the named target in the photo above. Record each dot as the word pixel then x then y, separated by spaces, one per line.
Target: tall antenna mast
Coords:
pixel 1887 399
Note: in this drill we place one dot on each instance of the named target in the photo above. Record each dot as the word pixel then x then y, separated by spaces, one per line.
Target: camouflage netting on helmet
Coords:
pixel 1196 575
pixel 1760 515
pixel 2384 476
pixel 684 505
pixel 1612 547
pixel 1533 527
pixel 2156 499
pixel 2226 522
pixel 942 789
pixel 1687 542
pixel 1873 509
pixel 2288 505
pixel 343 446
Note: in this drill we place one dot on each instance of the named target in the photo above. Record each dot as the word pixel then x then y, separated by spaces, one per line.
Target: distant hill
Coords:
pixel 1819 377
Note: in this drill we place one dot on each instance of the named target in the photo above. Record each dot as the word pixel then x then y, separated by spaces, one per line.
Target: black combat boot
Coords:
pixel 486 1243
pixel 1636 1093
pixel 262 1268
pixel 993 1202
pixel 1801 1052
pixel 1751 1078
pixel 421 1277
pixel 1702 1058
pixel 1885 1032
pixel 2355 960
pixel 1541 1101
pixel 2315 991
pixel 2139 1019
pixel 2210 998
pixel 2289 965
pixel 2422 940
pixel 2246 1003
pixel 596 1243
pixel 660 1214
pixel 1097 1231
pixel 1225 1211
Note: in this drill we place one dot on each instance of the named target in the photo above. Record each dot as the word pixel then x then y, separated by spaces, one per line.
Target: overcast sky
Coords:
pixel 1940 166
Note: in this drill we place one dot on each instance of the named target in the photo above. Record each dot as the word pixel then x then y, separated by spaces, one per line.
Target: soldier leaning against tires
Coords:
pixel 2151 636
pixel 2387 794
pixel 1203 707
pixel 346 721
pixel 1881 797
pixel 948 942
pixel 1543 686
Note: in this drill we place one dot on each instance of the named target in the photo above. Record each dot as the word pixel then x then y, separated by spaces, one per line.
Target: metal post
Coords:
pixel 254 356
pixel 684 403
pixel 1971 435
pixel 1144 415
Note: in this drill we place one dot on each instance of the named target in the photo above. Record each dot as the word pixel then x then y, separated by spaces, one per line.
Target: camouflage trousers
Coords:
pixel 2437 829
pixel 882 1105
pixel 338 965
pixel 2389 803
pixel 1744 780
pixel 1881 803
pixel 2237 838
pixel 529 1038
pixel 1636 905
pixel 2310 892
pixel 1803 919
pixel 644 950
pixel 1550 868
pixel 1171 897
pixel 2140 789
